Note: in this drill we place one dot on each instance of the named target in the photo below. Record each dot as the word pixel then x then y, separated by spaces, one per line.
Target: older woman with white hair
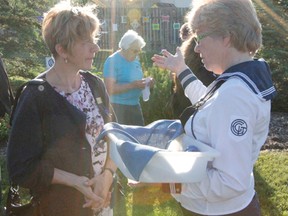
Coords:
pixel 124 80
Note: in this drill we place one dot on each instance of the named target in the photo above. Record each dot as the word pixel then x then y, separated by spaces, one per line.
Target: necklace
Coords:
pixel 64 83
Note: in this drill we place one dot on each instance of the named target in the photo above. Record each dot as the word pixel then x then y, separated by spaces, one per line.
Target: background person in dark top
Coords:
pixel 179 101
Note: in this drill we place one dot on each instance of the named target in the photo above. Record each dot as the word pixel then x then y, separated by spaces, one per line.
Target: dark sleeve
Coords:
pixel 99 90
pixel 26 146
pixel 6 95
pixel 107 103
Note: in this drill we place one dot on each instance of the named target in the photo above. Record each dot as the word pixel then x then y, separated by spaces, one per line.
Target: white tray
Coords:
pixel 172 165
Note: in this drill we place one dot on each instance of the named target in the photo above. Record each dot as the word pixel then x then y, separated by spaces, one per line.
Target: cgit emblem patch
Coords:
pixel 239 127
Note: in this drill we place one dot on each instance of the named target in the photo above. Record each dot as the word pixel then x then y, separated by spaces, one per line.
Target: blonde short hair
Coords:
pixel 236 18
pixel 129 38
pixel 64 24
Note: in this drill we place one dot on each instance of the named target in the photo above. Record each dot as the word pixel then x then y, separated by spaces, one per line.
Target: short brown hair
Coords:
pixel 64 24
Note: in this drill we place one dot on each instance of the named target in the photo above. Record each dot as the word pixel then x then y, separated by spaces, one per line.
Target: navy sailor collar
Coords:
pixel 257 76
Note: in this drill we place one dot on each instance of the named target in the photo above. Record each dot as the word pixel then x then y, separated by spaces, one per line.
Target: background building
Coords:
pixel 157 21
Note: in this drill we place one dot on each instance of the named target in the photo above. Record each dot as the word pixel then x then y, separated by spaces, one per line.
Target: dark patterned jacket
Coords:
pixel 48 132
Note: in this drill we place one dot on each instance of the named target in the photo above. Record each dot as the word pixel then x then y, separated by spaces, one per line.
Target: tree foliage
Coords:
pixel 273 16
pixel 20 38
pixel 283 4
pixel 21 42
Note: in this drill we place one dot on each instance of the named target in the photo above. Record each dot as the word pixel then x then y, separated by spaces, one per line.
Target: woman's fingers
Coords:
pixel 170 62
pixel 159 61
pixel 107 200
pixel 94 202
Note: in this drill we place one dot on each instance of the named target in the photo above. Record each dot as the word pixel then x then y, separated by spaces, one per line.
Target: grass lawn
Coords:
pixel 271 173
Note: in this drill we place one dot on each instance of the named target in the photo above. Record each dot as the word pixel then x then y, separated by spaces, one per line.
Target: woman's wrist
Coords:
pixel 109 170
pixel 181 69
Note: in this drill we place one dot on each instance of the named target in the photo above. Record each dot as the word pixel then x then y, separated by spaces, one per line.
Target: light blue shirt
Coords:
pixel 123 71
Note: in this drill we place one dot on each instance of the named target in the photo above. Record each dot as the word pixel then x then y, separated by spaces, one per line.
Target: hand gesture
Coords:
pixel 170 62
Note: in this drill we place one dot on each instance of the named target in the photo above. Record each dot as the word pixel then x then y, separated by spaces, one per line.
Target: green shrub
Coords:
pixel 28 68
pixel 157 107
pixel 4 128
pixel 145 58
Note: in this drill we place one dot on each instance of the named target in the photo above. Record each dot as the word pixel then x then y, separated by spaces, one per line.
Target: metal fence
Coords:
pixel 158 26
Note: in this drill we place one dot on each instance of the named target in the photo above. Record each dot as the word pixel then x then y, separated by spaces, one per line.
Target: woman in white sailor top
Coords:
pixel 234 119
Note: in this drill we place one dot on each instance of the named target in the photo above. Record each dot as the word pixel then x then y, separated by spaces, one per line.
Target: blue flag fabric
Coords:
pixel 137 144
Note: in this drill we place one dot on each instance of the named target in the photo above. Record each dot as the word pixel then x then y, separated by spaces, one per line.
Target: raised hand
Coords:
pixel 170 62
